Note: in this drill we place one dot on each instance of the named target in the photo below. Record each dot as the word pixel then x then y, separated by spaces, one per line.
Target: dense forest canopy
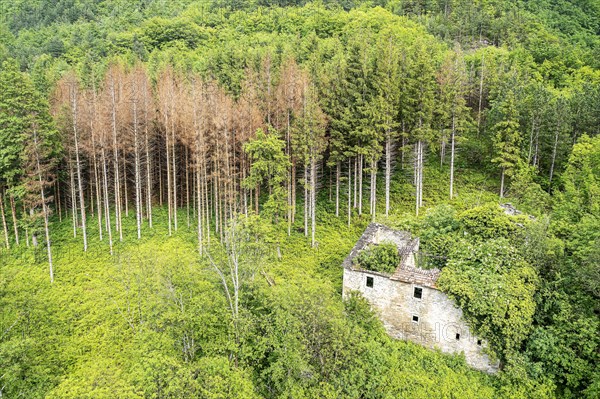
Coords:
pixel 180 182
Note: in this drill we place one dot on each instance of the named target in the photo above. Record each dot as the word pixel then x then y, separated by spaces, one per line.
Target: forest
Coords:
pixel 181 181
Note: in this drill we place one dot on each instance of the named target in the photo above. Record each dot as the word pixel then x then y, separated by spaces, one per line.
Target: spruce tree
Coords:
pixel 29 159
pixel 507 137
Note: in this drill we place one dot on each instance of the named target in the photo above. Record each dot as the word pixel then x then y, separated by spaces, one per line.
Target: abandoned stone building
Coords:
pixel 408 302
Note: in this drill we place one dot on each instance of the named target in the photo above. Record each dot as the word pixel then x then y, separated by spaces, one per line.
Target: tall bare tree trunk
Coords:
pixel 160 181
pixel 125 187
pixel 293 191
pixel 4 225
pixel 74 214
pixel 148 172
pixel 531 138
pixel 337 188
pixel 313 197
pixel 58 200
pixel 480 95
pixel 44 207
pixel 106 201
pixel 388 172
pixel 199 199
pixel 554 151
pixel 169 192
pixel 419 175
pixel 78 167
pixel 138 178
pixel 502 184
pixel 349 190
pixel 187 186
pixel 373 190
pixel 97 184
pixel 360 184
pixel 117 182
pixel 206 200
pixel 174 179
pixel 288 149
pixel 13 212
pixel 306 201
pixel 355 181
pixel 452 146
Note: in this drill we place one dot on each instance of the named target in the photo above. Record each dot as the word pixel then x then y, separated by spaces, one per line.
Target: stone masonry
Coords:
pixel 408 302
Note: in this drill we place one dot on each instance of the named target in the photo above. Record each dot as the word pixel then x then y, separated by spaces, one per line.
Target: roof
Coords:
pixel 415 275
pixel 407 248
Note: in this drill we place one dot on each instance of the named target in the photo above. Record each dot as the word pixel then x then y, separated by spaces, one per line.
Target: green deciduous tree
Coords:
pixel 495 288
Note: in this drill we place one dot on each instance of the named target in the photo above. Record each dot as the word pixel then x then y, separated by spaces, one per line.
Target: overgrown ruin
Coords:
pixel 408 301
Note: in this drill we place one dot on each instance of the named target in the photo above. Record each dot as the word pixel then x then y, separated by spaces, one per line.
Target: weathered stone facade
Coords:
pixel 409 304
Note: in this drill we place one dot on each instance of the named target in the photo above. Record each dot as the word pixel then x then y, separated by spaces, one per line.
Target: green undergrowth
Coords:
pixel 152 319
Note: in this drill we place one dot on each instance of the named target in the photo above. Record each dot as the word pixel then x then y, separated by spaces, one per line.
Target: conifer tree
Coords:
pixel 12 124
pixel 422 89
pixel 34 140
pixel 452 110
pixel 507 137
pixel 336 105
pixel 383 111
pixel 269 166
pixel 309 144
pixel 364 138
pixel 69 95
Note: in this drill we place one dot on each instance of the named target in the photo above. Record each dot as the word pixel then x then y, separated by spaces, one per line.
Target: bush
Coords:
pixel 382 258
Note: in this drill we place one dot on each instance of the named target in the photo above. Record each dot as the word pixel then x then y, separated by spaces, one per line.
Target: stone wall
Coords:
pixel 439 320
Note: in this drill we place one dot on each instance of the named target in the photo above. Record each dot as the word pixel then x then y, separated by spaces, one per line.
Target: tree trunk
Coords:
pixel 117 183
pixel 360 184
pixel 306 201
pixel 97 187
pixel 125 188
pixel 293 191
pixel 174 180
pixel 531 138
pixel 480 95
pixel 554 151
pixel 349 190
pixel 148 176
pixel 44 208
pixel 169 193
pixel 206 200
pixel 138 179
pixel 337 188
pixel 148 158
pixel 106 201
pixel 73 198
pixel 79 179
pixel 313 195
pixel 419 175
pixel 502 184
pixel 160 180
pixel 13 212
pixel 452 143
pixel 403 147
pixel 4 225
pixel 388 172
pixel 187 185
pixel 355 181
pixel 421 166
pixel 58 199
pixel 199 199
pixel 373 190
